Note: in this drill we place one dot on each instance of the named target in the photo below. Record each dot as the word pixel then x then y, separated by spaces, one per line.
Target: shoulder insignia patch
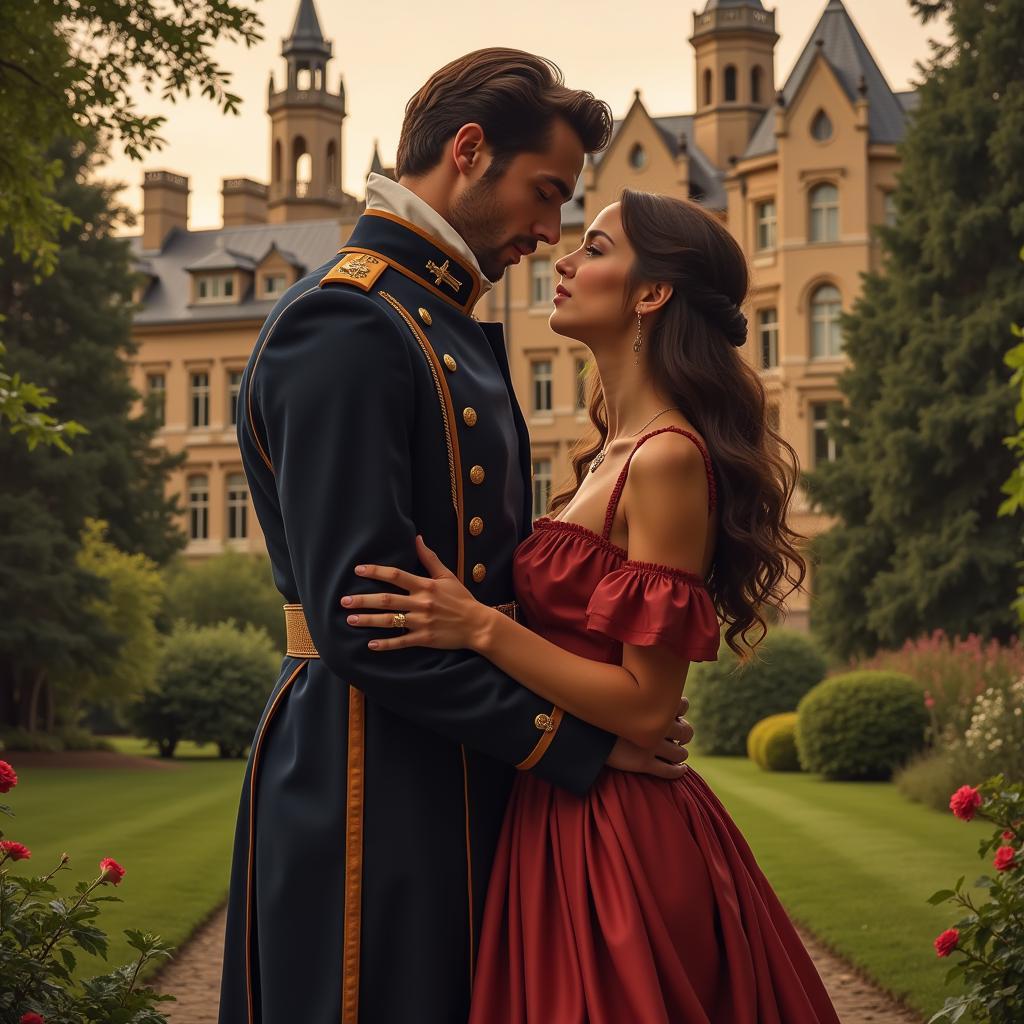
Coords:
pixel 358 268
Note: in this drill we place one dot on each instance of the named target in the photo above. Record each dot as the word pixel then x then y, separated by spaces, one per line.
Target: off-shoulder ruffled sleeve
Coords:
pixel 646 604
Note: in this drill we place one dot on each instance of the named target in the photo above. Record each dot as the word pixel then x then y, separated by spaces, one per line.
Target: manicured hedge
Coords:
pixel 727 698
pixel 860 725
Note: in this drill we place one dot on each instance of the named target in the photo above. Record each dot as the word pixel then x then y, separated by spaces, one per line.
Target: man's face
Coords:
pixel 504 219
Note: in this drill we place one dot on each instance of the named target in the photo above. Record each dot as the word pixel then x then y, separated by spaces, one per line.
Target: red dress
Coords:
pixel 639 903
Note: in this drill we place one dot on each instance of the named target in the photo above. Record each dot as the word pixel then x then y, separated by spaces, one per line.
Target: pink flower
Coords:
pixel 30 1018
pixel 111 871
pixel 964 802
pixel 929 702
pixel 1004 858
pixel 8 777
pixel 947 942
pixel 15 851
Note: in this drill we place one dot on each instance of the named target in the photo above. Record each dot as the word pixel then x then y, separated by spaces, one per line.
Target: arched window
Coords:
pixel 824 213
pixel 277 160
pixel 826 336
pixel 708 95
pixel 755 84
pixel 821 127
pixel 730 84
pixel 302 166
pixel 638 157
pixel 332 163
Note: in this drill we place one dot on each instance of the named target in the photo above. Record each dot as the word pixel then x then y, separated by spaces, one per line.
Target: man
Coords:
pixel 375 406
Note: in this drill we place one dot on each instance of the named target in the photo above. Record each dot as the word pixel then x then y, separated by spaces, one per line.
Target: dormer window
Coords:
pixel 637 157
pixel 821 127
pixel 215 287
pixel 274 286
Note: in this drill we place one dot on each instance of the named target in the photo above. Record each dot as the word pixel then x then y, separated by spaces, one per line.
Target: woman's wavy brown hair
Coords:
pixel 695 360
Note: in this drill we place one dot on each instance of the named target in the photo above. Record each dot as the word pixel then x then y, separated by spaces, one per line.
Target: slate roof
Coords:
pixel 306 33
pixel 848 56
pixel 705 179
pixel 305 244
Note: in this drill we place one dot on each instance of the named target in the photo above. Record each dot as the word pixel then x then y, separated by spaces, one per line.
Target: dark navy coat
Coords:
pixel 374 406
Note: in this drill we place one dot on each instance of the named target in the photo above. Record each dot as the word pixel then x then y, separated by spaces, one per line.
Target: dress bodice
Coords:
pixel 584 594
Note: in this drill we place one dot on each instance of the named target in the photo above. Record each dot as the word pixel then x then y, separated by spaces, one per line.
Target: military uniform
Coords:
pixel 374 406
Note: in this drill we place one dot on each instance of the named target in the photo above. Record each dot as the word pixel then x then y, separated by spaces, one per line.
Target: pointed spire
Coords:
pixel 376 164
pixel 306 36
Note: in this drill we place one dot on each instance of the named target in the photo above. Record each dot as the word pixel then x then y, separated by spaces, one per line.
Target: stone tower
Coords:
pixel 734 42
pixel 305 128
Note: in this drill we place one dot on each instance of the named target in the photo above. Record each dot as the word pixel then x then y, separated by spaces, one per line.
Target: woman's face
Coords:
pixel 589 297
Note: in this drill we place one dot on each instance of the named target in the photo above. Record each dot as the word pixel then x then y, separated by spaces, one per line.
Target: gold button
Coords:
pixel 425 316
pixel 476 474
pixel 450 362
pixel 479 572
pixel 469 416
pixel 476 526
pixel 543 722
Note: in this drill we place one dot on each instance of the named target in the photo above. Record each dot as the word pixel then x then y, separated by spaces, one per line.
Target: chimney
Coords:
pixel 164 206
pixel 245 202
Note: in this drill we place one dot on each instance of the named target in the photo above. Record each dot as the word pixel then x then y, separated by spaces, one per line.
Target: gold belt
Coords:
pixel 300 643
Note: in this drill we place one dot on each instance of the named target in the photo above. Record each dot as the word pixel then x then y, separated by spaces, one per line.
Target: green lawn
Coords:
pixel 171 830
pixel 855 863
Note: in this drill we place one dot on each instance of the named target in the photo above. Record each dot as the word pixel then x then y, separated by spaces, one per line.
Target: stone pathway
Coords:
pixel 194 977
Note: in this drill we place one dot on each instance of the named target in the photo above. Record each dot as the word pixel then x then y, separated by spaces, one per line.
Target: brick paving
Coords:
pixel 194 977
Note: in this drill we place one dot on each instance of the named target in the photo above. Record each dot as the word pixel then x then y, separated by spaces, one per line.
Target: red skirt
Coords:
pixel 638 904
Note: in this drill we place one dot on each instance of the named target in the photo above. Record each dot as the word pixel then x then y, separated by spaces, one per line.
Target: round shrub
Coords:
pixel 772 743
pixel 728 698
pixel 860 725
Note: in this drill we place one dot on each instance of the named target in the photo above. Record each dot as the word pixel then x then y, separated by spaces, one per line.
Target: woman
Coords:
pixel 640 903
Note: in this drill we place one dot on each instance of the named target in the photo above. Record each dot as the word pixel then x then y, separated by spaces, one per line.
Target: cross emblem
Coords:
pixel 441 274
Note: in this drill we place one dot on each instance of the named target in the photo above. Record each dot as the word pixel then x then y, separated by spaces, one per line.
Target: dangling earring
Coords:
pixel 639 338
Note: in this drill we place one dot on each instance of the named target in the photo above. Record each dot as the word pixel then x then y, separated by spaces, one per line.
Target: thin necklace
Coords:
pixel 599 457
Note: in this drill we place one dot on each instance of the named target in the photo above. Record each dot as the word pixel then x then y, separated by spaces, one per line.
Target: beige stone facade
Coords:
pixel 801 175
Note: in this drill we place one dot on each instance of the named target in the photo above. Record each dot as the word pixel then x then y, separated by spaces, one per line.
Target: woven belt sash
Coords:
pixel 300 643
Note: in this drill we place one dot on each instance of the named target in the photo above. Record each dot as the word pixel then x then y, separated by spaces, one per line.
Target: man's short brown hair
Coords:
pixel 513 95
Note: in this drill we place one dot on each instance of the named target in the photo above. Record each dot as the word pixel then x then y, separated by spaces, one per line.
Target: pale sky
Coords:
pixel 385 50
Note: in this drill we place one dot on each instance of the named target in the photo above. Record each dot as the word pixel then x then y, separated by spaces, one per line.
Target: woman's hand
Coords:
pixel 439 611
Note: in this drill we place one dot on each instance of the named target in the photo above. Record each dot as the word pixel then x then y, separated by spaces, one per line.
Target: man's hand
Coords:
pixel 666 760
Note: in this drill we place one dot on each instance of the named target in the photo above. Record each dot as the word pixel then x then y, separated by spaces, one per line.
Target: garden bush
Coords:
pixel 212 685
pixel 772 743
pixel 861 725
pixel 728 698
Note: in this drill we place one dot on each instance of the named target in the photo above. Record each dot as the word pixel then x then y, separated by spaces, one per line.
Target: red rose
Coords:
pixel 15 851
pixel 946 942
pixel 31 1018
pixel 8 777
pixel 112 871
pixel 1007 834
pixel 964 802
pixel 1004 858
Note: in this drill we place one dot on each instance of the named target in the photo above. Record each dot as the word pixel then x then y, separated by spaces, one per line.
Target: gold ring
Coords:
pixel 398 620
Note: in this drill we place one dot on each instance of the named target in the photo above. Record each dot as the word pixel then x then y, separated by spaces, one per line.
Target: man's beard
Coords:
pixel 477 216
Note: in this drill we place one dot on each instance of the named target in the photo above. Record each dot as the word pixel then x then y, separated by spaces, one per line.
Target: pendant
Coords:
pixel 598 459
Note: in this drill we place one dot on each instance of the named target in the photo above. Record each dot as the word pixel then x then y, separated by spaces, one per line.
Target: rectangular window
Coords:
pixel 768 337
pixel 825 447
pixel 824 213
pixel 889 209
pixel 541 486
pixel 238 507
pixel 580 366
pixel 273 285
pixel 541 291
pixel 234 386
pixel 213 287
pixel 198 507
pixel 540 372
pixel 199 393
pixel 766 224
pixel 156 392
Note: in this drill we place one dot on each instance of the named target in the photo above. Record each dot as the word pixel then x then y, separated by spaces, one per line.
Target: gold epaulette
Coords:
pixel 359 268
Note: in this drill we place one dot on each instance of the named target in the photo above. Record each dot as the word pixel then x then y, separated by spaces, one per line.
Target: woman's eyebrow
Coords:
pixel 594 232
